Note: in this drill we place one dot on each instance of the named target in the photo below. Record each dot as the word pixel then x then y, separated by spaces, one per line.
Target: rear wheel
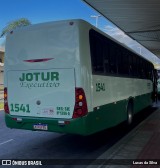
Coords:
pixel 130 113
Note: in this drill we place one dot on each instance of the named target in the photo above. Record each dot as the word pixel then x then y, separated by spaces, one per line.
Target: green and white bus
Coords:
pixel 70 77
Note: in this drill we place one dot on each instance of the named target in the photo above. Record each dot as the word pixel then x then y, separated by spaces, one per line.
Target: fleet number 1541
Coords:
pixel 19 108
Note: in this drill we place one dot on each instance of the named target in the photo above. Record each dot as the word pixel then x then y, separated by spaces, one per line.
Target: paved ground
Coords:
pixel 141 146
pixel 23 144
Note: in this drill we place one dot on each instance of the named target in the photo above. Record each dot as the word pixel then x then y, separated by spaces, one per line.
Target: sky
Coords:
pixel 38 11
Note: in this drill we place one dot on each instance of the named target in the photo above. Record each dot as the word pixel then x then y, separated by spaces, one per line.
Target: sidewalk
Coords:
pixel 142 143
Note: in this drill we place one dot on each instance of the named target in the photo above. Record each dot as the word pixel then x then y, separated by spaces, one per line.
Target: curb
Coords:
pixel 113 152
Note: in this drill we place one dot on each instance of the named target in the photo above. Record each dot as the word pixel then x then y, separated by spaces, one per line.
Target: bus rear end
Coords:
pixel 41 91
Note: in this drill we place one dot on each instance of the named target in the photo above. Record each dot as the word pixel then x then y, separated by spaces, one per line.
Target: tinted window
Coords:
pixel 110 58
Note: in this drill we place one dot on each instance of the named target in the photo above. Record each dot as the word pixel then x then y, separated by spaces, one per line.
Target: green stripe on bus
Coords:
pixel 105 117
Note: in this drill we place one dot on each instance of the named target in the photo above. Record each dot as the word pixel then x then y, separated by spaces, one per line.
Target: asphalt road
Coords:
pixel 23 144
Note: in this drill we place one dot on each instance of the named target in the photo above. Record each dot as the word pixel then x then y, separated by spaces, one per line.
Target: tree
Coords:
pixel 14 25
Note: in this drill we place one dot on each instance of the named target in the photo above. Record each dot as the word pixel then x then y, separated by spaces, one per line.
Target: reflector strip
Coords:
pixel 38 60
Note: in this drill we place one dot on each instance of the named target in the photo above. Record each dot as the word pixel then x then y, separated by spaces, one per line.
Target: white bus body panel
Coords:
pixel 119 88
pixel 56 41
pixel 45 98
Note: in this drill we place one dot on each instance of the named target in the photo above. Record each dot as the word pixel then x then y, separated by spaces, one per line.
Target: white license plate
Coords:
pixel 40 126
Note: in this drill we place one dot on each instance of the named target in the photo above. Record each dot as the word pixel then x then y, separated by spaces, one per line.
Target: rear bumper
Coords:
pixel 73 126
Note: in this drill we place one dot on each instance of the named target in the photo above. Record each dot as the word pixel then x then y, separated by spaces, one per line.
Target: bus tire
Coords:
pixel 129 113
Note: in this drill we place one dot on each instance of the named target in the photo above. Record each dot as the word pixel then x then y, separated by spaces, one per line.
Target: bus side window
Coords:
pixel 134 66
pixel 126 62
pixel 130 64
pixel 146 70
pixel 112 59
pixel 96 48
pixel 119 61
pixel 99 55
pixel 142 68
pixel 149 71
pixel 138 68
pixel 106 56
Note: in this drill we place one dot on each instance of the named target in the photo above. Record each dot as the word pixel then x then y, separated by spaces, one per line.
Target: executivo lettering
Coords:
pixel 39 80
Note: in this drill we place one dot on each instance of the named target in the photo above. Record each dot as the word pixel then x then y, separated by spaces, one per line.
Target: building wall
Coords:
pixel 1 78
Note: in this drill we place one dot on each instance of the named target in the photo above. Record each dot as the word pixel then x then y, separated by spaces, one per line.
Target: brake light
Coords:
pixel 6 108
pixel 80 108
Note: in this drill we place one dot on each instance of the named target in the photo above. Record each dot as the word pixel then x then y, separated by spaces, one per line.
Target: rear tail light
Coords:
pixel 80 108
pixel 6 108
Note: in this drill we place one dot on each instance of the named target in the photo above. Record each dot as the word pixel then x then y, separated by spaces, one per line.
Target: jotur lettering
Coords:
pixel 36 76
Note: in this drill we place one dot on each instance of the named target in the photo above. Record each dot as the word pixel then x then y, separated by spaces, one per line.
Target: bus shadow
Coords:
pixel 101 141
pixel 112 135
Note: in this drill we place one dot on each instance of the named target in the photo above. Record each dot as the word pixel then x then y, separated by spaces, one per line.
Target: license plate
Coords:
pixel 40 126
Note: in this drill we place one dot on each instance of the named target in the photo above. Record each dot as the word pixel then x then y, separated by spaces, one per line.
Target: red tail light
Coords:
pixel 6 108
pixel 80 108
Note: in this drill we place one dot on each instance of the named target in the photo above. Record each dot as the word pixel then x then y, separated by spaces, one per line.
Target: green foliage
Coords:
pixel 14 25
